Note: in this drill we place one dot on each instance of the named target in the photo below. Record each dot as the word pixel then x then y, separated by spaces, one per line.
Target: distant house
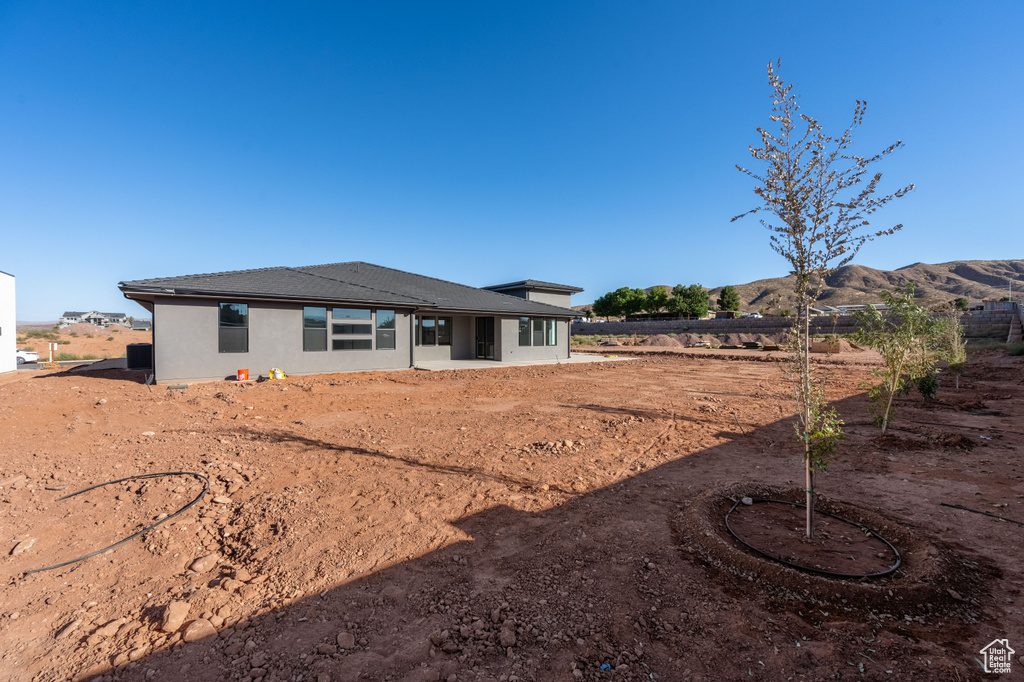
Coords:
pixel 71 317
pixel 8 328
pixel 142 325
pixel 341 317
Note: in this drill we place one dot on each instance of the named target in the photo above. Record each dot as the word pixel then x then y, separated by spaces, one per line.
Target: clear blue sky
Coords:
pixel 587 143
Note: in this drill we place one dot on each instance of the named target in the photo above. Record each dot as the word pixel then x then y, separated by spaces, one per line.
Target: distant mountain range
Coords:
pixel 850 284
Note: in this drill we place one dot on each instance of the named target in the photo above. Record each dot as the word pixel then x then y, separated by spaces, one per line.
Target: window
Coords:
pixel 351 313
pixel 351 328
pixel 428 328
pixel 538 331
pixel 433 331
pixel 352 344
pixel 314 329
pixel 341 325
pixel 385 330
pixel 233 335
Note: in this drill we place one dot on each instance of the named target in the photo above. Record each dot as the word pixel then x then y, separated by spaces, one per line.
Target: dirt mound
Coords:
pixel 659 340
pixel 85 328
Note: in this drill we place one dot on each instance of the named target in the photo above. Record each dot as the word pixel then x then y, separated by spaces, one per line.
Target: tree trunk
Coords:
pixel 806 380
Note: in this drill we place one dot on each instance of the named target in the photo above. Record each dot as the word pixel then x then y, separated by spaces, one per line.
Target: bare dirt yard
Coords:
pixel 82 341
pixel 532 523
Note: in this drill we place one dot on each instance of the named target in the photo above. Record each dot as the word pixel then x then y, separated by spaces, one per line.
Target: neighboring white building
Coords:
pixel 71 317
pixel 8 329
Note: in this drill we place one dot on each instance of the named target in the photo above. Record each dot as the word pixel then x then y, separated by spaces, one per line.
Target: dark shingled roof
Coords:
pixel 535 284
pixel 354 282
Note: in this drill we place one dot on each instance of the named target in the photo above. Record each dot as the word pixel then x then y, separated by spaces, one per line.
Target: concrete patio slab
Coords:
pixel 440 365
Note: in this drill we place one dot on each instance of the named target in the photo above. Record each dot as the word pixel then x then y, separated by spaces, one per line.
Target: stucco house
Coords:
pixel 94 317
pixel 339 317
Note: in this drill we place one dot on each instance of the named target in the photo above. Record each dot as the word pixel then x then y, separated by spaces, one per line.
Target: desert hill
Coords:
pixel 936 284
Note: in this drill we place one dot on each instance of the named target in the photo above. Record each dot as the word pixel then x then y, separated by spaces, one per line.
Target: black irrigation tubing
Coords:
pixel 978 511
pixel 967 426
pixel 808 569
pixel 206 488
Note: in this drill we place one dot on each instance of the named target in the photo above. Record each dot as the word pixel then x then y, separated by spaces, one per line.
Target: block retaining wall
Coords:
pixel 978 324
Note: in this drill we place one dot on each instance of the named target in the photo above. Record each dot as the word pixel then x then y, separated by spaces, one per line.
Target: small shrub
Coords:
pixel 73 334
pixel 1015 349
pixel 928 385
pixel 64 357
pixel 63 342
pixel 48 334
pixel 90 356
pixel 110 338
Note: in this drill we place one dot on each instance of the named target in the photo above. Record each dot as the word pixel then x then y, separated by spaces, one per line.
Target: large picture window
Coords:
pixel 385 330
pixel 314 329
pixel 349 324
pixel 233 336
pixel 538 331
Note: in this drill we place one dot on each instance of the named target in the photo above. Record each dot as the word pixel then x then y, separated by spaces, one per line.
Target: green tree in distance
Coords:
pixel 656 299
pixel 691 301
pixel 622 301
pixel 818 198
pixel 729 299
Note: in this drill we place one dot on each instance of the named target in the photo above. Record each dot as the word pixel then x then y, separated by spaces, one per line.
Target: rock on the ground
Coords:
pixel 198 629
pixel 346 640
pixel 204 563
pixel 174 616
pixel 507 637
pixel 23 546
pixel 326 649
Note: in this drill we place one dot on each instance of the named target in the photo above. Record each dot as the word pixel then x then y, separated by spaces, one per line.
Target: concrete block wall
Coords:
pixel 977 324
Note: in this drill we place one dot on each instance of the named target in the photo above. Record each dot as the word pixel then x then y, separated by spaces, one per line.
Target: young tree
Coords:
pixel 819 200
pixel 951 340
pixel 691 301
pixel 655 300
pixel 908 339
pixel 729 299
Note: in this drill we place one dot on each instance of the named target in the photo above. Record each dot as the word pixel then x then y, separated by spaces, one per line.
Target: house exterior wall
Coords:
pixel 8 324
pixel 507 342
pixel 551 298
pixel 464 338
pixel 186 343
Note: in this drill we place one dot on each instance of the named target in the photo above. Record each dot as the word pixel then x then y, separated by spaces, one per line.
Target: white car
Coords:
pixel 26 356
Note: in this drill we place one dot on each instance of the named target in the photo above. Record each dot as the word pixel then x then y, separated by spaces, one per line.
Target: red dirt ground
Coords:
pixel 498 524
